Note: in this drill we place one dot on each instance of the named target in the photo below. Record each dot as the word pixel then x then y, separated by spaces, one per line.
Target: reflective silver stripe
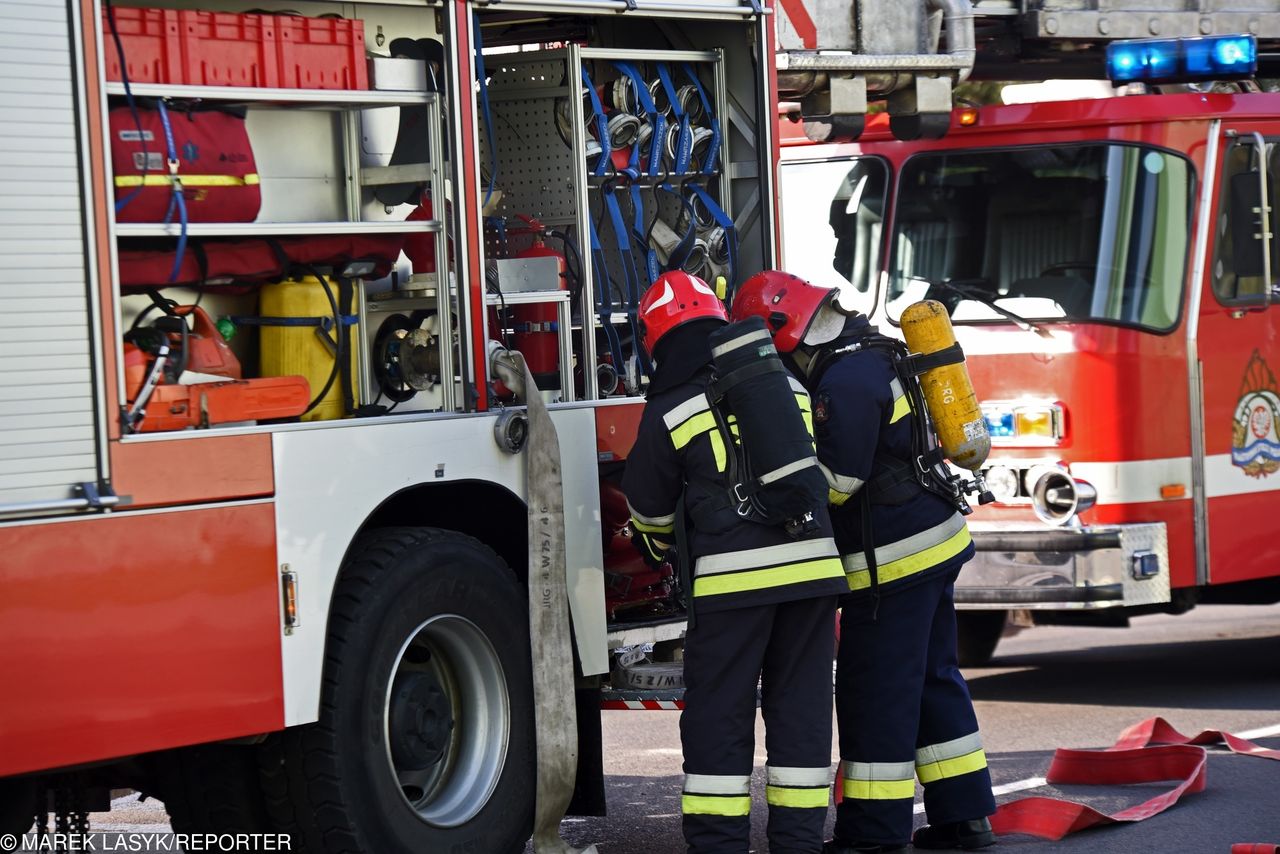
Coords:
pixel 956 747
pixel 927 538
pixel 742 341
pixel 767 556
pixel 682 412
pixel 798 776
pixel 841 482
pixel 717 784
pixel 896 388
pixel 877 771
pixel 789 468
pixel 655 521
pixel 797 386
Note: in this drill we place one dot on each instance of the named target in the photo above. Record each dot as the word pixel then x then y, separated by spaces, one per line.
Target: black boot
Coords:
pixel 960 834
pixel 837 847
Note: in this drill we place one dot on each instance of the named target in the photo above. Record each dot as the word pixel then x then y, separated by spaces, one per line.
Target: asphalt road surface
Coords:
pixel 1214 668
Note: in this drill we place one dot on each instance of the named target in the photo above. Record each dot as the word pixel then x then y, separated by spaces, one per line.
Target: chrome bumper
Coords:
pixel 1040 568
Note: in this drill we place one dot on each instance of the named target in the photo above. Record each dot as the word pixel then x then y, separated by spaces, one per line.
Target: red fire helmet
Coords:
pixel 675 299
pixel 788 304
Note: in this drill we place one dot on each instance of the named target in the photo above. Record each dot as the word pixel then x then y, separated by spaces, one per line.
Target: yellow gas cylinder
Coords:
pixel 948 393
pixel 300 350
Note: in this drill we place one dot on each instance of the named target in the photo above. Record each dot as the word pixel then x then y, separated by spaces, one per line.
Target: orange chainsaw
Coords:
pixel 157 357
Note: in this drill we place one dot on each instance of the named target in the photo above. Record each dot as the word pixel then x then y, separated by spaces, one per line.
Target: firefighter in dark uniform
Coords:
pixel 902 705
pixel 762 604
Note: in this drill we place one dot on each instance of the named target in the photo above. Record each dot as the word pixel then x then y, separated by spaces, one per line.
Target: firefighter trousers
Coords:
pixel 904 711
pixel 787 648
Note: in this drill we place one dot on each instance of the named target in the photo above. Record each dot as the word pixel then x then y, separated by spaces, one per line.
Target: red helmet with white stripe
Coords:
pixel 673 300
pixel 790 306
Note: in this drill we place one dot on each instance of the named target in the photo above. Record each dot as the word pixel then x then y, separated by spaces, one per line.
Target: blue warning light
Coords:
pixel 1182 60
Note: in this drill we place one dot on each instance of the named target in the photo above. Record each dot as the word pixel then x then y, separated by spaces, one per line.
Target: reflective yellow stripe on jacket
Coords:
pixel 762 568
pixel 901 403
pixel 908 556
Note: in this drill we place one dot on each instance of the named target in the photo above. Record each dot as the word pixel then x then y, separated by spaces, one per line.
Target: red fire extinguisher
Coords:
pixel 535 325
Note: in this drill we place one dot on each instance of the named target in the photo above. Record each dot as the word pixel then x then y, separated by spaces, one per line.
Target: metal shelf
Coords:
pixel 325 99
pixel 266 229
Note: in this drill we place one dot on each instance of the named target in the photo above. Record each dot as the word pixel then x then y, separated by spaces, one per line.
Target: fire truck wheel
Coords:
pixel 211 788
pixel 425 740
pixel 977 633
pixel 17 805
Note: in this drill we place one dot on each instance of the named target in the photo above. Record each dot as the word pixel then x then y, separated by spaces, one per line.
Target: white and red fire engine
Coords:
pixel 1103 265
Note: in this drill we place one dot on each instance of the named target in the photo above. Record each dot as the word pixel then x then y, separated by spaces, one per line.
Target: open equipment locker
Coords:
pixel 542 176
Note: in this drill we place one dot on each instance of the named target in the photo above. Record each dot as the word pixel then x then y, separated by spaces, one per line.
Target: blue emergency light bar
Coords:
pixel 1182 60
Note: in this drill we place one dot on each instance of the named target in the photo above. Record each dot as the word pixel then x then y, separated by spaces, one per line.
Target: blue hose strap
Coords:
pixel 604 301
pixel 177 200
pixel 653 163
pixel 602 125
pixel 713 150
pixel 685 140
pixel 730 233
pixel 651 267
pixel 652 166
pixel 482 76
pixel 632 299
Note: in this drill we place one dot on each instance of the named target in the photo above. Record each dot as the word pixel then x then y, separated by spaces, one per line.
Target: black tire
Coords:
pixel 18 805
pixel 977 634
pixel 211 788
pixel 331 784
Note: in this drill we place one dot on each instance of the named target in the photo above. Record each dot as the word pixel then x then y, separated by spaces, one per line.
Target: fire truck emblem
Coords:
pixel 1255 440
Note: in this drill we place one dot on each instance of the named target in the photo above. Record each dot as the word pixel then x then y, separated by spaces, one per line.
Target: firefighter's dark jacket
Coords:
pixel 862 416
pixel 737 563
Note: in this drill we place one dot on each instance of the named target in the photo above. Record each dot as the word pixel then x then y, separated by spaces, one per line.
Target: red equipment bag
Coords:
pixel 215 165
pixel 240 263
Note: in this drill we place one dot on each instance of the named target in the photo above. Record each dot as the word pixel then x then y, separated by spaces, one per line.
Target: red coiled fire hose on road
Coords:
pixel 1147 752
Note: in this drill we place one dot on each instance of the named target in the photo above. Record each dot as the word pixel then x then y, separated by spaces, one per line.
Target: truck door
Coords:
pixel 1239 326
pixel 50 418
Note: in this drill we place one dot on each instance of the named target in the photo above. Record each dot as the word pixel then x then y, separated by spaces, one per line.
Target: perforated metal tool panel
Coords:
pixel 48 434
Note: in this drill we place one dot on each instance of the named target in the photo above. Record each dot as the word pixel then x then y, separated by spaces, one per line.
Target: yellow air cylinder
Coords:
pixel 948 393
pixel 299 350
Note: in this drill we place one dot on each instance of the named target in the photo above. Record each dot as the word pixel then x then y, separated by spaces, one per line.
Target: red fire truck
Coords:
pixel 1102 262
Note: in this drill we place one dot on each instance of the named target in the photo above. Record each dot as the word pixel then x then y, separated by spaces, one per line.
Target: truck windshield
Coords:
pixel 1068 233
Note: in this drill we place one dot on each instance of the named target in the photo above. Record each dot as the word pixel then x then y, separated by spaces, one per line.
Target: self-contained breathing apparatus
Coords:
pixel 896 480
pixel 772 468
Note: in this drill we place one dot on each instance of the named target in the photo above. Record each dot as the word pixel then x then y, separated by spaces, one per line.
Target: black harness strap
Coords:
pixel 917 364
pixel 684 563
pixel 720 386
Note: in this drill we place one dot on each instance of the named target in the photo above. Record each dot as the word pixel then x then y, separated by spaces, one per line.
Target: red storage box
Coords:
pixel 225 49
pixel 321 53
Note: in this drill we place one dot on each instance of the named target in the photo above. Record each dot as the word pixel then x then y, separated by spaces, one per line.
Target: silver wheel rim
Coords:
pixel 454 789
